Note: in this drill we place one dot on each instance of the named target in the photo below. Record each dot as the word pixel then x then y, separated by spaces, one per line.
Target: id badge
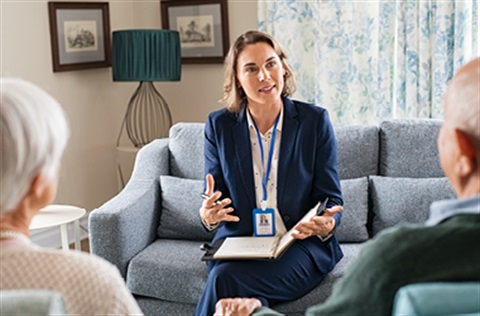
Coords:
pixel 263 222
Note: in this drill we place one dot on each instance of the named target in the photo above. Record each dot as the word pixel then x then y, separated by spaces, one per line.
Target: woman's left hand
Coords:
pixel 318 225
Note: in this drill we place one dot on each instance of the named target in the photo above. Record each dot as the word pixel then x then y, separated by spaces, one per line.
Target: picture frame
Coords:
pixel 203 28
pixel 79 35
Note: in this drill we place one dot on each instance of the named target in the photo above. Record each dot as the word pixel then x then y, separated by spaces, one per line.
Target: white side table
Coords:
pixel 60 215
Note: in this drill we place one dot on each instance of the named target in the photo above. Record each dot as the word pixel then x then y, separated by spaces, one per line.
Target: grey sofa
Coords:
pixel 151 230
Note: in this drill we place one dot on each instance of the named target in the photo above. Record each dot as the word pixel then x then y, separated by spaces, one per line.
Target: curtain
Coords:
pixel 366 61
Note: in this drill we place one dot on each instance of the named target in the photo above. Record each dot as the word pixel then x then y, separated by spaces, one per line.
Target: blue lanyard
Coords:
pixel 270 155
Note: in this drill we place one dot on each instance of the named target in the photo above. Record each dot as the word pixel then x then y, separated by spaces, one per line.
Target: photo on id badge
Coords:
pixel 263 222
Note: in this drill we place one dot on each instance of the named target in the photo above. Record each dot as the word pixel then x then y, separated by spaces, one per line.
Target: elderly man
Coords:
pixel 34 133
pixel 445 249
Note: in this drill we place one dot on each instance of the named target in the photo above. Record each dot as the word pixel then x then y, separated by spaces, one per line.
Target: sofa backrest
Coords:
pixel 397 148
pixel 357 151
pixel 410 176
pixel 408 148
pixel 186 150
pixel 187 145
pixel 383 170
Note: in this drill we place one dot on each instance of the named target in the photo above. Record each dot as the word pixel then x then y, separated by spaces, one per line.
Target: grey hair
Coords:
pixel 462 100
pixel 34 132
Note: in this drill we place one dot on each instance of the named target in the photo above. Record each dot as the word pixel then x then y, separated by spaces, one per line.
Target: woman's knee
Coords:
pixel 222 272
pixel 228 280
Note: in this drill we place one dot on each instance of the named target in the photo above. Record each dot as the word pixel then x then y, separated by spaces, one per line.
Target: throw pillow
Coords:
pixel 180 218
pixel 405 200
pixel 353 226
pixel 181 201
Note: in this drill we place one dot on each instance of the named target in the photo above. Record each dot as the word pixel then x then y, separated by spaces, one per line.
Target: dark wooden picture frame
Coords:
pixel 203 28
pixel 80 35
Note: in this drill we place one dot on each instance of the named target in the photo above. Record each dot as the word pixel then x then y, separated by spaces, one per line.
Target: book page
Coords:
pixel 246 247
pixel 287 237
pixel 259 247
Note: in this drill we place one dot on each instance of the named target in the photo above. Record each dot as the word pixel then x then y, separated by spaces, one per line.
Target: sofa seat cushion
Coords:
pixel 169 270
pixel 321 292
pixel 353 226
pixel 405 200
pixel 181 201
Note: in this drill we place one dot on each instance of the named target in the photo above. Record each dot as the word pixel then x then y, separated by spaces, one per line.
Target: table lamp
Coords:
pixel 146 56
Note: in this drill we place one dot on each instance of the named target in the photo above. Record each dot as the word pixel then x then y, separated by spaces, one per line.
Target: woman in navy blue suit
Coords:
pixel 267 152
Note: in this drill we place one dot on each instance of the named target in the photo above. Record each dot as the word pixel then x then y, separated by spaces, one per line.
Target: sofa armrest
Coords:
pixel 438 298
pixel 31 302
pixel 265 311
pixel 127 224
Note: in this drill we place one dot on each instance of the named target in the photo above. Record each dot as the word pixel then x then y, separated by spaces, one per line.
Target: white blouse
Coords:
pixel 258 168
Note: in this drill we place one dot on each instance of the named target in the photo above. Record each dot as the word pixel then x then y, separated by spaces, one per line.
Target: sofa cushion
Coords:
pixel 170 270
pixel 408 148
pixel 186 150
pixel 353 227
pixel 180 218
pixel 181 201
pixel 405 200
pixel 354 142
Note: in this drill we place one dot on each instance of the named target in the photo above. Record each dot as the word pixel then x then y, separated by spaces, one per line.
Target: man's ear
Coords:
pixel 467 154
pixel 37 186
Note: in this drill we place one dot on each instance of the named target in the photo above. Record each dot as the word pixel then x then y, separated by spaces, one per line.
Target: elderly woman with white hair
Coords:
pixel 34 133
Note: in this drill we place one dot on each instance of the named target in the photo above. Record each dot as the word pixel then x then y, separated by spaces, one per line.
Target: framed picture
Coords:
pixel 203 28
pixel 80 35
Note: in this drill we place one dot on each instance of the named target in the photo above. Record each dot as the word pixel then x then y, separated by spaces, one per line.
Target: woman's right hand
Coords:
pixel 214 211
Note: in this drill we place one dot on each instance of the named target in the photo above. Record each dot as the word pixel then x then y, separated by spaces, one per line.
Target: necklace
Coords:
pixel 10 234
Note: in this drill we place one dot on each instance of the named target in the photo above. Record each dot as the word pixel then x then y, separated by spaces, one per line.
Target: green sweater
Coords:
pixel 449 251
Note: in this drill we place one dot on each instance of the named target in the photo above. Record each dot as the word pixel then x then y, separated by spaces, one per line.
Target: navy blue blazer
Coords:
pixel 307 171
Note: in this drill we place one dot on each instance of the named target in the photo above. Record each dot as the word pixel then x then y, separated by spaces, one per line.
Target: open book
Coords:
pixel 257 247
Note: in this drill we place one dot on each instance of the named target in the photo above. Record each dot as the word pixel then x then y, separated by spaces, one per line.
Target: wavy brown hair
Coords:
pixel 234 96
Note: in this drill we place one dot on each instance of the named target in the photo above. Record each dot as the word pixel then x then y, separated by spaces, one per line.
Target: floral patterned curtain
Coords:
pixel 366 61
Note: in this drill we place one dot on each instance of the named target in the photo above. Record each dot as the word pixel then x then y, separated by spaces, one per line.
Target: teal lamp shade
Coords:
pixel 146 55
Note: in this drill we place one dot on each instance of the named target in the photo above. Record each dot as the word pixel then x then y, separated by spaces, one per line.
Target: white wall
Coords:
pixel 202 85
pixel 93 103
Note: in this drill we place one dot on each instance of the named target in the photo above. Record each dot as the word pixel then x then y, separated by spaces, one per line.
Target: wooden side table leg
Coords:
pixel 64 236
